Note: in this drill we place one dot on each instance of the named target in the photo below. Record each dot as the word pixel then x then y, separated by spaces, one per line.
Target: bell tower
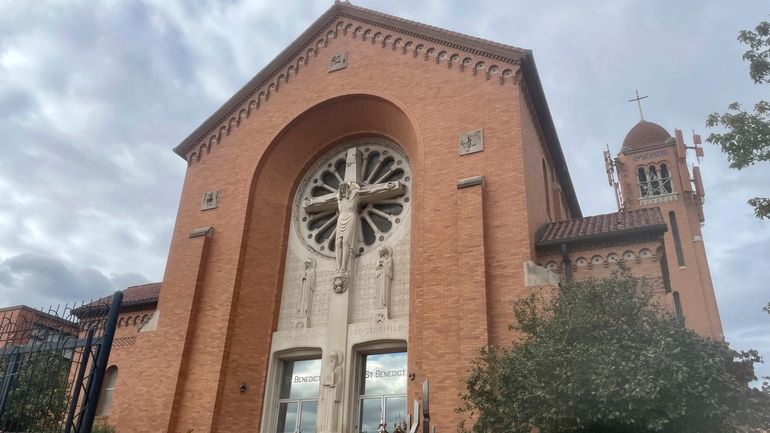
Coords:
pixel 651 170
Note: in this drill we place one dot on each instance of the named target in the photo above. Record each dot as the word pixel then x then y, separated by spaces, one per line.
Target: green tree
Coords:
pixel 746 139
pixel 38 397
pixel 600 356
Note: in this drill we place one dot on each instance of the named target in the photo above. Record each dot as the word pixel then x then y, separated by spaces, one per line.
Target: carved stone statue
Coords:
pixel 306 288
pixel 349 195
pixel 331 394
pixel 383 276
pixel 347 224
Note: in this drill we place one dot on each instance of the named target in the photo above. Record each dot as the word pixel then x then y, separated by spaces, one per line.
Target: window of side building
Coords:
pixel 108 389
pixel 382 393
pixel 298 396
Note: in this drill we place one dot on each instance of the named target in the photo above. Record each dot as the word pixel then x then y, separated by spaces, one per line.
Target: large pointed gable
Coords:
pixel 504 63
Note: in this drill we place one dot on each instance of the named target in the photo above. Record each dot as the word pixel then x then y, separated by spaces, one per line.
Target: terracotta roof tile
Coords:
pixel 132 296
pixel 601 226
pixel 145 293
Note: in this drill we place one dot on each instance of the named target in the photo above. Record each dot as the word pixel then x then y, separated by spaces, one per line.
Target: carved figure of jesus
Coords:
pixel 348 197
pixel 331 394
pixel 306 288
pixel 383 276
pixel 347 224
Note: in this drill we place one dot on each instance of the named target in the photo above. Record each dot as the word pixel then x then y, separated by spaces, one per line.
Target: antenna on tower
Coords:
pixel 696 141
pixel 609 165
pixel 612 177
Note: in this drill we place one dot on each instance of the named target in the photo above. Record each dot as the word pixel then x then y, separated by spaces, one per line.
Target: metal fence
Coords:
pixel 52 365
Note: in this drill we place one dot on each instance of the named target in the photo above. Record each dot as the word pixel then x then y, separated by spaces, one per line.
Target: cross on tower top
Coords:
pixel 638 103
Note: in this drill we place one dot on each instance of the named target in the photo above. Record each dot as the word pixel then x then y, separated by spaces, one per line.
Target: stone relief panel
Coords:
pixel 364 296
pixel 384 224
pixel 291 297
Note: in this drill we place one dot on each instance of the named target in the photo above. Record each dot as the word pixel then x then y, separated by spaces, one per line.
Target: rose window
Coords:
pixel 380 173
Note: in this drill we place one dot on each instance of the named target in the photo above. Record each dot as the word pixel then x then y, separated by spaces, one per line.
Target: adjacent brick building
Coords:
pixel 280 311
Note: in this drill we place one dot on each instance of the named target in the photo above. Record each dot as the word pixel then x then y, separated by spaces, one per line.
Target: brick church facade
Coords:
pixel 359 217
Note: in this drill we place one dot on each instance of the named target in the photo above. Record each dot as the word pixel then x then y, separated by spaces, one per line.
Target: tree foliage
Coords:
pixel 600 356
pixel 38 398
pixel 746 139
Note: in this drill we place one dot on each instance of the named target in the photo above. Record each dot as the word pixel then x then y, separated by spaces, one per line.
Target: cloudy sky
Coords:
pixel 94 95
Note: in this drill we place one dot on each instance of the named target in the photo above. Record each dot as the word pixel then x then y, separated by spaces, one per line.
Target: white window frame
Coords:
pixel 375 348
pixel 273 385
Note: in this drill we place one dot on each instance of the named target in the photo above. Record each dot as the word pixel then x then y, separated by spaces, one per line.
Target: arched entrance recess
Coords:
pixel 279 171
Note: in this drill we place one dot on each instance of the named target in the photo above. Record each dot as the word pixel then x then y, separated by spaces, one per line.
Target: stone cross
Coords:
pixel 356 189
pixel 353 192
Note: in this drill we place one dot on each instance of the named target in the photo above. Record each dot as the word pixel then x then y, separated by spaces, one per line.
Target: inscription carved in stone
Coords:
pixel 471 142
pixel 391 327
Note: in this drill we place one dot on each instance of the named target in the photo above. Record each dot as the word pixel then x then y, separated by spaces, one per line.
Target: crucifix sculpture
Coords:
pixel 353 191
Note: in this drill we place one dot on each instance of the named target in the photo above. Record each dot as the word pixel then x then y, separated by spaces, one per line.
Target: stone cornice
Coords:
pixel 344 20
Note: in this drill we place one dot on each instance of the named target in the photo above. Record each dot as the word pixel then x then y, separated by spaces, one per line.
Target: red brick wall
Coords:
pixel 599 263
pixel 693 280
pixel 220 301
pixel 125 356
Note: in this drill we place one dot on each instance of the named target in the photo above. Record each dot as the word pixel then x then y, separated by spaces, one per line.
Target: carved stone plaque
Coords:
pixel 471 142
pixel 210 200
pixel 338 61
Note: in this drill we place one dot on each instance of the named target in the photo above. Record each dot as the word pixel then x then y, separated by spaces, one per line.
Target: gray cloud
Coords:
pixel 42 280
pixel 128 279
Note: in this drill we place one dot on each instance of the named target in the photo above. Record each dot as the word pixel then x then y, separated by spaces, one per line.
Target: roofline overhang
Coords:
pixel 657 229
pixel 426 32
pixel 529 70
pixel 338 9
pixel 255 82
pixel 48 316
pixel 103 308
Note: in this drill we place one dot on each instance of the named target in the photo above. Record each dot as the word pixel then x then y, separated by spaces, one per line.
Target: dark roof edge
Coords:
pixel 47 315
pixel 138 302
pixel 423 31
pixel 535 86
pixel 261 76
pixel 655 229
pixel 105 306
pixel 435 34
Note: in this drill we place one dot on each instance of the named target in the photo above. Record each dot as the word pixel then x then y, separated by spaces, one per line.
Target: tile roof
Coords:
pixel 601 226
pixel 132 296
pixel 144 294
